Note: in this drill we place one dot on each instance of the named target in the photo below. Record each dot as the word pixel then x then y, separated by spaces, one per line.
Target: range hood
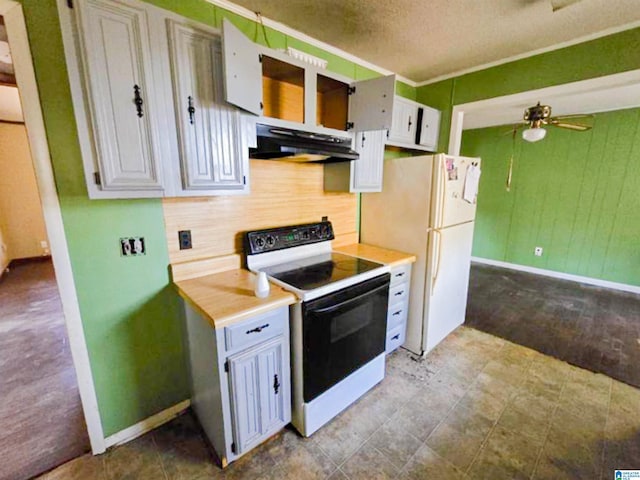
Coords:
pixel 286 144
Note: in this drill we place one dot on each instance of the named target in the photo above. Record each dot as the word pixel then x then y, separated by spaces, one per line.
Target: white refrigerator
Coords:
pixel 427 207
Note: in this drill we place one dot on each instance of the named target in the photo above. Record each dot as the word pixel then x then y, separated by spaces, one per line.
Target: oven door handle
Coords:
pixel 350 300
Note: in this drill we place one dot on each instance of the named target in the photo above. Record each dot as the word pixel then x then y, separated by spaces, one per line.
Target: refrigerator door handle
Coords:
pixel 442 177
pixel 438 234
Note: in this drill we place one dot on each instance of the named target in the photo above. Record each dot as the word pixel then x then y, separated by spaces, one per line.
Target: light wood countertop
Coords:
pixel 227 297
pixel 392 258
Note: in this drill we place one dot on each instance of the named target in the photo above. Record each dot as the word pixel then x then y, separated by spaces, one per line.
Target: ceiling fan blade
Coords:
pixel 560 4
pixel 578 116
pixel 571 126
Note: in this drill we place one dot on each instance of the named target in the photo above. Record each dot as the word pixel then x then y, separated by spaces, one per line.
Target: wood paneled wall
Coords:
pixel 282 193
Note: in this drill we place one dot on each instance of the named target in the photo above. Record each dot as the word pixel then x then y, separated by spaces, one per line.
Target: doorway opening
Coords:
pixel 41 413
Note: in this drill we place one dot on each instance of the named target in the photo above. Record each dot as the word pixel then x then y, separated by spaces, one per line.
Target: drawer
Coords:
pixel 397 315
pixel 395 338
pixel 401 273
pixel 398 293
pixel 256 329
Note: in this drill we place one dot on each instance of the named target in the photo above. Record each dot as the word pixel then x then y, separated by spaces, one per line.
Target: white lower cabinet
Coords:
pixel 398 306
pixel 240 379
pixel 258 407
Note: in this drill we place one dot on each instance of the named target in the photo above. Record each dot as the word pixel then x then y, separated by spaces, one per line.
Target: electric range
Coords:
pixel 338 326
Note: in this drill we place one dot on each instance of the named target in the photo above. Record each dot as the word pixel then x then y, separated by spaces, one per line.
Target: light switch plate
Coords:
pixel 132 246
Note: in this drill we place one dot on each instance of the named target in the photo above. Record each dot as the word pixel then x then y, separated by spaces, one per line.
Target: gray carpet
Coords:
pixel 41 419
pixel 591 327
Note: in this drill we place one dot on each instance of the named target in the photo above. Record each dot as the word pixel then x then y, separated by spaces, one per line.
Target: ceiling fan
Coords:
pixel 539 116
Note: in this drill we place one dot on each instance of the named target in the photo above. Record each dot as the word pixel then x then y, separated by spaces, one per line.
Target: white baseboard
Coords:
pixel 146 425
pixel 564 276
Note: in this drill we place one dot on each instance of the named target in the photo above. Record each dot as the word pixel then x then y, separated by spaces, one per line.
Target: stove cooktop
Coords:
pixel 319 270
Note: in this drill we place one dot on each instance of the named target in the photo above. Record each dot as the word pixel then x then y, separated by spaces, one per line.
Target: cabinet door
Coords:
pixel 242 70
pixel 366 172
pixel 244 390
pixel 405 115
pixel 209 130
pixel 429 128
pixel 273 401
pixel 114 39
pixel 371 104
pixel 259 389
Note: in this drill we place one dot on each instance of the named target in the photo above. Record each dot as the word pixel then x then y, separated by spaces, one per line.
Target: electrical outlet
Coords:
pixel 132 246
pixel 184 237
pixel 537 251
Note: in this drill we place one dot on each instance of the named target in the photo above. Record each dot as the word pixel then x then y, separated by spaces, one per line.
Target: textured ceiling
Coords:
pixel 422 40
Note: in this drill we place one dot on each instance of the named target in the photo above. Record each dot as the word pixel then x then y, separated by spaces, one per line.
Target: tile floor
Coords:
pixel 476 407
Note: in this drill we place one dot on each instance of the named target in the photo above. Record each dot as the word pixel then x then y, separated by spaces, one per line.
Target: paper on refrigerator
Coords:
pixel 471 183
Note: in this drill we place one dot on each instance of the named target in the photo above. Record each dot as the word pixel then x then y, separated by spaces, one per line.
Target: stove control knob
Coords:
pixel 305 235
pixel 270 241
pixel 260 242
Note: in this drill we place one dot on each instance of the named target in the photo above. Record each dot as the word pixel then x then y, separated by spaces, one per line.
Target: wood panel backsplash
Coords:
pixel 282 193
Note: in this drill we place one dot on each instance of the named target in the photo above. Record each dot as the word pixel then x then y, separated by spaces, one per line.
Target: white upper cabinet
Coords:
pixel 414 126
pixel 371 104
pixel 213 157
pixel 242 70
pixel 287 92
pixel 428 127
pixel 118 77
pixel 366 172
pixel 405 118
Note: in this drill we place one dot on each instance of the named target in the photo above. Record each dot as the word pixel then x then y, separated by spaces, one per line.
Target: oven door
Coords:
pixel 342 332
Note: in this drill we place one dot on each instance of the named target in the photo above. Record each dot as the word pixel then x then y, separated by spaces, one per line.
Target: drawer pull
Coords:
pixel 257 329
pixel 397 294
pixel 395 337
pixel 401 274
pixel 397 313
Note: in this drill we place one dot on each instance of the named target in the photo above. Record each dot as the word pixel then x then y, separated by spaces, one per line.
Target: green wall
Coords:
pixel 132 318
pixel 603 56
pixel 576 194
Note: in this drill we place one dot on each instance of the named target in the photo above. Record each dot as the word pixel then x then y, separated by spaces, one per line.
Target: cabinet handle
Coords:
pixel 395 337
pixel 190 108
pixel 276 384
pixel 138 100
pixel 409 125
pixel 363 138
pixel 401 274
pixel 397 294
pixel 397 313
pixel 257 329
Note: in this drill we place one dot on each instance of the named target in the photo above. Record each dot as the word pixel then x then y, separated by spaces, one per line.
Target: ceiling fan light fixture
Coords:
pixel 534 134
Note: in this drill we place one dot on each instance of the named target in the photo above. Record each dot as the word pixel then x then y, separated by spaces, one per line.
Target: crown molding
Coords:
pixel 246 13
pixel 532 53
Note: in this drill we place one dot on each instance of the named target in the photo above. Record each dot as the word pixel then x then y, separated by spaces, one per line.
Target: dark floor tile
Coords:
pixel 427 464
pixel 136 460
pixel 369 464
pixel 395 442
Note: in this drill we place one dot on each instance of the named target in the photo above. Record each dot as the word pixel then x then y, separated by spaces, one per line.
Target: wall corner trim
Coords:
pixel 146 425
pixel 564 276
